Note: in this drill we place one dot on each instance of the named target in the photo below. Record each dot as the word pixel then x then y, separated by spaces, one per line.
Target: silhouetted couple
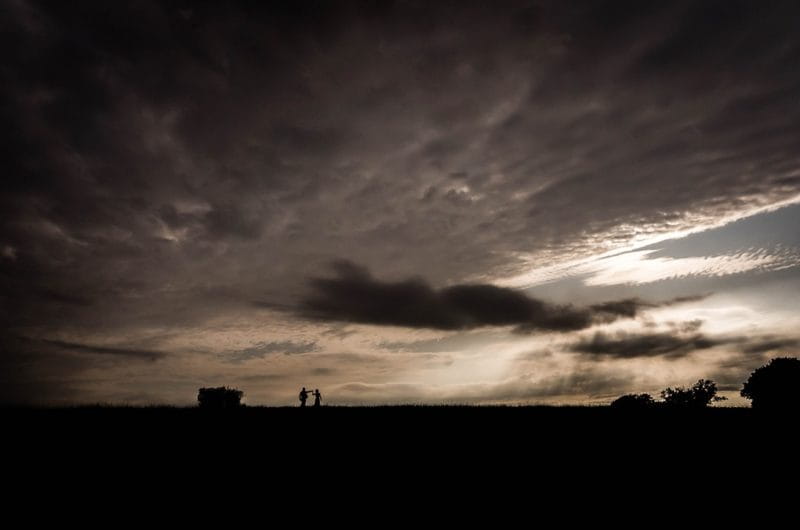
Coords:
pixel 304 396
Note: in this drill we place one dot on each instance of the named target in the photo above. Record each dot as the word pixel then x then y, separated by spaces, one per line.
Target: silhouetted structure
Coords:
pixel 303 397
pixel 633 402
pixel 317 397
pixel 775 385
pixel 699 395
pixel 219 398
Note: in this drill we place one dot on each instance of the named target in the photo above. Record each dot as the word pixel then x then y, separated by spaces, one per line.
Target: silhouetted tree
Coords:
pixel 698 396
pixel 776 385
pixel 633 401
pixel 219 398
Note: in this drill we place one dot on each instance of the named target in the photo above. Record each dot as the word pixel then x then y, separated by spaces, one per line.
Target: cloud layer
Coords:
pixel 168 164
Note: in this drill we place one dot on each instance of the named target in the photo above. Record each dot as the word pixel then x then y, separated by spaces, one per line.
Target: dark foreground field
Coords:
pixel 366 430
pixel 423 452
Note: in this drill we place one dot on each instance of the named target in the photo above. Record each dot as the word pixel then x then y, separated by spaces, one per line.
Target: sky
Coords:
pixel 396 202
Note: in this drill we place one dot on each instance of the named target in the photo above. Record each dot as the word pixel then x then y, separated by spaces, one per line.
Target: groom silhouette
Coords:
pixel 303 397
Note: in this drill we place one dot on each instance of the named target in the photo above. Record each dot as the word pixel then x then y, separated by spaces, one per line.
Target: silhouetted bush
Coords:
pixel 219 398
pixel 775 385
pixel 633 401
pixel 698 396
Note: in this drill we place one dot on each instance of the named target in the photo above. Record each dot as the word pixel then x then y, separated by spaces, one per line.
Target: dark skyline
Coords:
pixel 396 201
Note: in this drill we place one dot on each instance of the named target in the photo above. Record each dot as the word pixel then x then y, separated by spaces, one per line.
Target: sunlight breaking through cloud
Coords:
pixel 637 267
pixel 651 261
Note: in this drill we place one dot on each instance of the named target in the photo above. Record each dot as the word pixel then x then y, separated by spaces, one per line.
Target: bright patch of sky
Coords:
pixel 767 241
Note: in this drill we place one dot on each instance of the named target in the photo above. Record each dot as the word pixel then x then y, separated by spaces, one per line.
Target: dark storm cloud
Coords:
pixel 630 307
pixel 355 296
pixel 680 342
pixel 624 345
pixel 685 299
pixel 689 326
pixel 106 350
pixel 323 371
pixel 773 344
pixel 624 308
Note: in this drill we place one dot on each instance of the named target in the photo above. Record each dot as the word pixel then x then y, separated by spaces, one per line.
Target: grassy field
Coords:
pixel 396 425
pixel 574 449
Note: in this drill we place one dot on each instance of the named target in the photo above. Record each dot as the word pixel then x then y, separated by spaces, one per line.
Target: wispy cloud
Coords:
pixel 263 349
pixel 638 268
pixel 755 241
